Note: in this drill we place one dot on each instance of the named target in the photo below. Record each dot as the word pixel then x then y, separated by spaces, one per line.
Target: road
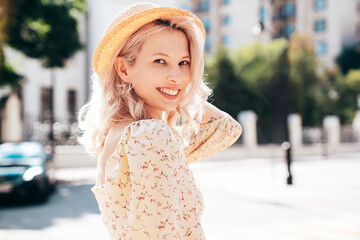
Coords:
pixel 244 199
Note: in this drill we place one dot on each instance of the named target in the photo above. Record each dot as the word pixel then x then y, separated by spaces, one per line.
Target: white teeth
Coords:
pixel 169 91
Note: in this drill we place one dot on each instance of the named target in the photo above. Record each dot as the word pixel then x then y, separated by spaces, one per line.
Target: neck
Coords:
pixel 156 114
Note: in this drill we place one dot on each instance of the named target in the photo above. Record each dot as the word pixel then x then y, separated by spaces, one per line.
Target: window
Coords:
pixel 71 96
pixel 227 20
pixel 226 40
pixel 320 5
pixel 262 14
pixel 207 44
pixel 320 48
pixel 207 24
pixel 226 2
pixel 320 25
pixel 289 29
pixel 204 5
pixel 289 10
pixel 46 104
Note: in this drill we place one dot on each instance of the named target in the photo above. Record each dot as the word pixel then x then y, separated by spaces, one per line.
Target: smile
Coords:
pixel 168 91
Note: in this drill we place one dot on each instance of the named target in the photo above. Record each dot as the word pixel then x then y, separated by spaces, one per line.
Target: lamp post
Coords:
pixel 286 146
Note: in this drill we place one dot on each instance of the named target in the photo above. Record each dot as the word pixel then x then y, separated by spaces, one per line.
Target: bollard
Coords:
pixel 331 126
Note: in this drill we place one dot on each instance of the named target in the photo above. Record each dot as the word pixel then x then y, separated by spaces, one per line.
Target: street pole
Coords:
pixel 52 105
pixel 286 146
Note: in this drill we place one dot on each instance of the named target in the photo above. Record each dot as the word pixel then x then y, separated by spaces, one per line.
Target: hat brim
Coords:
pixel 111 42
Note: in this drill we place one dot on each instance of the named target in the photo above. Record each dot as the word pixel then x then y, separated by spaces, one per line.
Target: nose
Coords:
pixel 175 74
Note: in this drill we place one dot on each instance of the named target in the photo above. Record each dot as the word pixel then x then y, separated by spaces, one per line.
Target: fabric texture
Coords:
pixel 149 190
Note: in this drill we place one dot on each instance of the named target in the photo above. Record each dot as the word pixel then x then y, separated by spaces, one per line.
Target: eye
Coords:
pixel 184 63
pixel 159 61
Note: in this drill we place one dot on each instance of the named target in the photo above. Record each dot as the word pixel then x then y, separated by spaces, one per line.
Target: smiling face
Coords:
pixel 161 71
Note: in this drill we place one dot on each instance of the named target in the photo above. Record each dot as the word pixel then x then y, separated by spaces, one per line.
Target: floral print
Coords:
pixel 149 190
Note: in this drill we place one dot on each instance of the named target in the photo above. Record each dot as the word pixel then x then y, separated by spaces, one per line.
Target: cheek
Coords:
pixel 187 77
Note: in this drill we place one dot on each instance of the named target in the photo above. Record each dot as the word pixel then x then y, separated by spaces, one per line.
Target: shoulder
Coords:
pixel 130 132
pixel 112 139
pixel 148 135
pixel 149 127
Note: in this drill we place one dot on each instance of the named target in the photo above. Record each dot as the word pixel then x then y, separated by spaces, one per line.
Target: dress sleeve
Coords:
pixel 211 137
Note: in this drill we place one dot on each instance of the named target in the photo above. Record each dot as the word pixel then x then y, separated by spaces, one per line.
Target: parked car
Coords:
pixel 26 171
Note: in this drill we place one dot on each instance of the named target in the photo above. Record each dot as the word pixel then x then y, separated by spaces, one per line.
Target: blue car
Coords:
pixel 26 171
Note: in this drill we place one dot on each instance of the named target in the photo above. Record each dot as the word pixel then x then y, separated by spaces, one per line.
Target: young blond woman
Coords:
pixel 147 119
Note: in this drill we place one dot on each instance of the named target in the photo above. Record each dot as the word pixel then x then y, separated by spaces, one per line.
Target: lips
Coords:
pixel 170 93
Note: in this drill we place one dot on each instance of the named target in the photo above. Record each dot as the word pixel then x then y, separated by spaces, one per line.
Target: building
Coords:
pixel 228 22
pixel 332 24
pixel 50 92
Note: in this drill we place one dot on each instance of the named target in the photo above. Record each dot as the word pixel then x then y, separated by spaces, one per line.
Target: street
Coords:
pixel 244 199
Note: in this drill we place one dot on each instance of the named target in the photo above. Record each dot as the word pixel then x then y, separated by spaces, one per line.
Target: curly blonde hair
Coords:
pixel 113 100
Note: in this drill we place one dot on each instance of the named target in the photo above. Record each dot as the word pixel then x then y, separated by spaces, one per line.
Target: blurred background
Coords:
pixel 287 70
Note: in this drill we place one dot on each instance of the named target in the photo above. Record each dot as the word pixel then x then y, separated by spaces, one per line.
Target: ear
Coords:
pixel 121 69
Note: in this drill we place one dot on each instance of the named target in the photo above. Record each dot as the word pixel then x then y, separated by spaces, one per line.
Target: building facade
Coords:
pixel 228 22
pixel 332 24
pixel 50 94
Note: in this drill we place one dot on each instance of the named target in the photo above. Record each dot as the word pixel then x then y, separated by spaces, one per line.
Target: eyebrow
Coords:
pixel 164 54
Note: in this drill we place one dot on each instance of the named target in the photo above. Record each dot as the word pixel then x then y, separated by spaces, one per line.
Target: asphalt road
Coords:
pixel 244 199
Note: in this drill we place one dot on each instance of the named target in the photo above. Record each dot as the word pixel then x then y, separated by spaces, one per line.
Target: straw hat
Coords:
pixel 126 23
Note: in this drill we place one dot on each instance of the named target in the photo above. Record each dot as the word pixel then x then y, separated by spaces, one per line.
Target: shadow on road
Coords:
pixel 68 201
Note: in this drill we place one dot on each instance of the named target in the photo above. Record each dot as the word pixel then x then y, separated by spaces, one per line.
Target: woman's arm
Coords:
pixel 217 131
pixel 211 113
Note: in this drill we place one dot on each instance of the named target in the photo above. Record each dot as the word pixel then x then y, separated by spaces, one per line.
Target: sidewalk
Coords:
pixel 248 198
pixel 252 200
pixel 245 199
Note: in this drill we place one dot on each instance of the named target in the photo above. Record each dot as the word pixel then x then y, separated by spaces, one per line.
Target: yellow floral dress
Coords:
pixel 149 190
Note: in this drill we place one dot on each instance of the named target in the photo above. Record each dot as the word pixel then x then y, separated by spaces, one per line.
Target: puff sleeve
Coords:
pixel 211 137
pixel 156 198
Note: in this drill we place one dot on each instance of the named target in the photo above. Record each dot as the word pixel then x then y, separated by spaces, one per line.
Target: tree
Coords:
pixel 264 68
pixel 46 30
pixel 7 74
pixel 41 29
pixel 349 58
pixel 272 79
pixel 305 82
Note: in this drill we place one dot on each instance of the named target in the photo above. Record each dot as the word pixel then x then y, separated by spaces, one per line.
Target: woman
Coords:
pixel 147 119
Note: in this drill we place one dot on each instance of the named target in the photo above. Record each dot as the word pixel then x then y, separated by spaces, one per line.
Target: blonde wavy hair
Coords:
pixel 113 100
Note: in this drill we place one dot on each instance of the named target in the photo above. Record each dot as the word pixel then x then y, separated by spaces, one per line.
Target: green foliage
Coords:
pixel 7 74
pixel 42 29
pixel 341 96
pixel 45 30
pixel 273 79
pixel 279 78
pixel 227 86
pixel 349 58
pixel 305 83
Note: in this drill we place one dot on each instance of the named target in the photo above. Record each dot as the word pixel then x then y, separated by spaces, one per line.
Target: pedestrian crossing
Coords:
pixel 346 227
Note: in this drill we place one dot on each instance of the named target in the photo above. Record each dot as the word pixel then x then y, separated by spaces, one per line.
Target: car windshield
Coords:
pixel 20 152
